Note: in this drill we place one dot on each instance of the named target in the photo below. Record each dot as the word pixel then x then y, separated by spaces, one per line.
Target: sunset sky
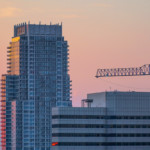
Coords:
pixel 101 34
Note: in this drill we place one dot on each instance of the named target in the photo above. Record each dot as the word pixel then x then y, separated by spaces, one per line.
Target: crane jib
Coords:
pixel 137 71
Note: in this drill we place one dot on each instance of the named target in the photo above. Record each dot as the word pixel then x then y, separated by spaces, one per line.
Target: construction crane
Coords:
pixel 137 71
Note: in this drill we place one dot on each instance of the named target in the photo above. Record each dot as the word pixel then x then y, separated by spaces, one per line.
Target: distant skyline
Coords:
pixel 101 34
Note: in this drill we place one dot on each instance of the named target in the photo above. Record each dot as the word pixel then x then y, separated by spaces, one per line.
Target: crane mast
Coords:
pixel 137 71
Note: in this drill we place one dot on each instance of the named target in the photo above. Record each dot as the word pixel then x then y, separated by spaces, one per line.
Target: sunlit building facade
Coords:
pixel 37 79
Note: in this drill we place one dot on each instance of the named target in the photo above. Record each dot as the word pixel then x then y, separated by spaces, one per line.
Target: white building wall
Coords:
pixel 124 119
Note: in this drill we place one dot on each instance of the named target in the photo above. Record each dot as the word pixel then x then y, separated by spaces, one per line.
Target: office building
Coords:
pixel 115 121
pixel 37 79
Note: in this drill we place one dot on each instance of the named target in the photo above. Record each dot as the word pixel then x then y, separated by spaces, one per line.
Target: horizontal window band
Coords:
pixel 101 144
pixel 97 117
pixel 99 135
pixel 99 126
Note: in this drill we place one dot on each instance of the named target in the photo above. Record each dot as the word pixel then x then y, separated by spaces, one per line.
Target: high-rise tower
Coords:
pixel 37 79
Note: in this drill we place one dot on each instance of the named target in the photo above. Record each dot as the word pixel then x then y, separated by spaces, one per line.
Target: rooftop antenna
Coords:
pixel 110 88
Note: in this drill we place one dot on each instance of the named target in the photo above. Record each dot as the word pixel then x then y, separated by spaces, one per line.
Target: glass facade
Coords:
pixel 9 95
pixel 38 60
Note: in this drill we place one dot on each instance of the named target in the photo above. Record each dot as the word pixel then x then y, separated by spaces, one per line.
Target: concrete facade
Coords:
pixel 117 121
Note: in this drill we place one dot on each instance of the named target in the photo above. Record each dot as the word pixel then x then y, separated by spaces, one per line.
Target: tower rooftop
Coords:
pixel 37 29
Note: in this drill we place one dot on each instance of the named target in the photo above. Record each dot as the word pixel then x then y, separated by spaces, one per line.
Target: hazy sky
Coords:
pixel 101 34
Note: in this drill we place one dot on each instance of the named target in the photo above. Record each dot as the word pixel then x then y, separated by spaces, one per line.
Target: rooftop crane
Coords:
pixel 137 71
